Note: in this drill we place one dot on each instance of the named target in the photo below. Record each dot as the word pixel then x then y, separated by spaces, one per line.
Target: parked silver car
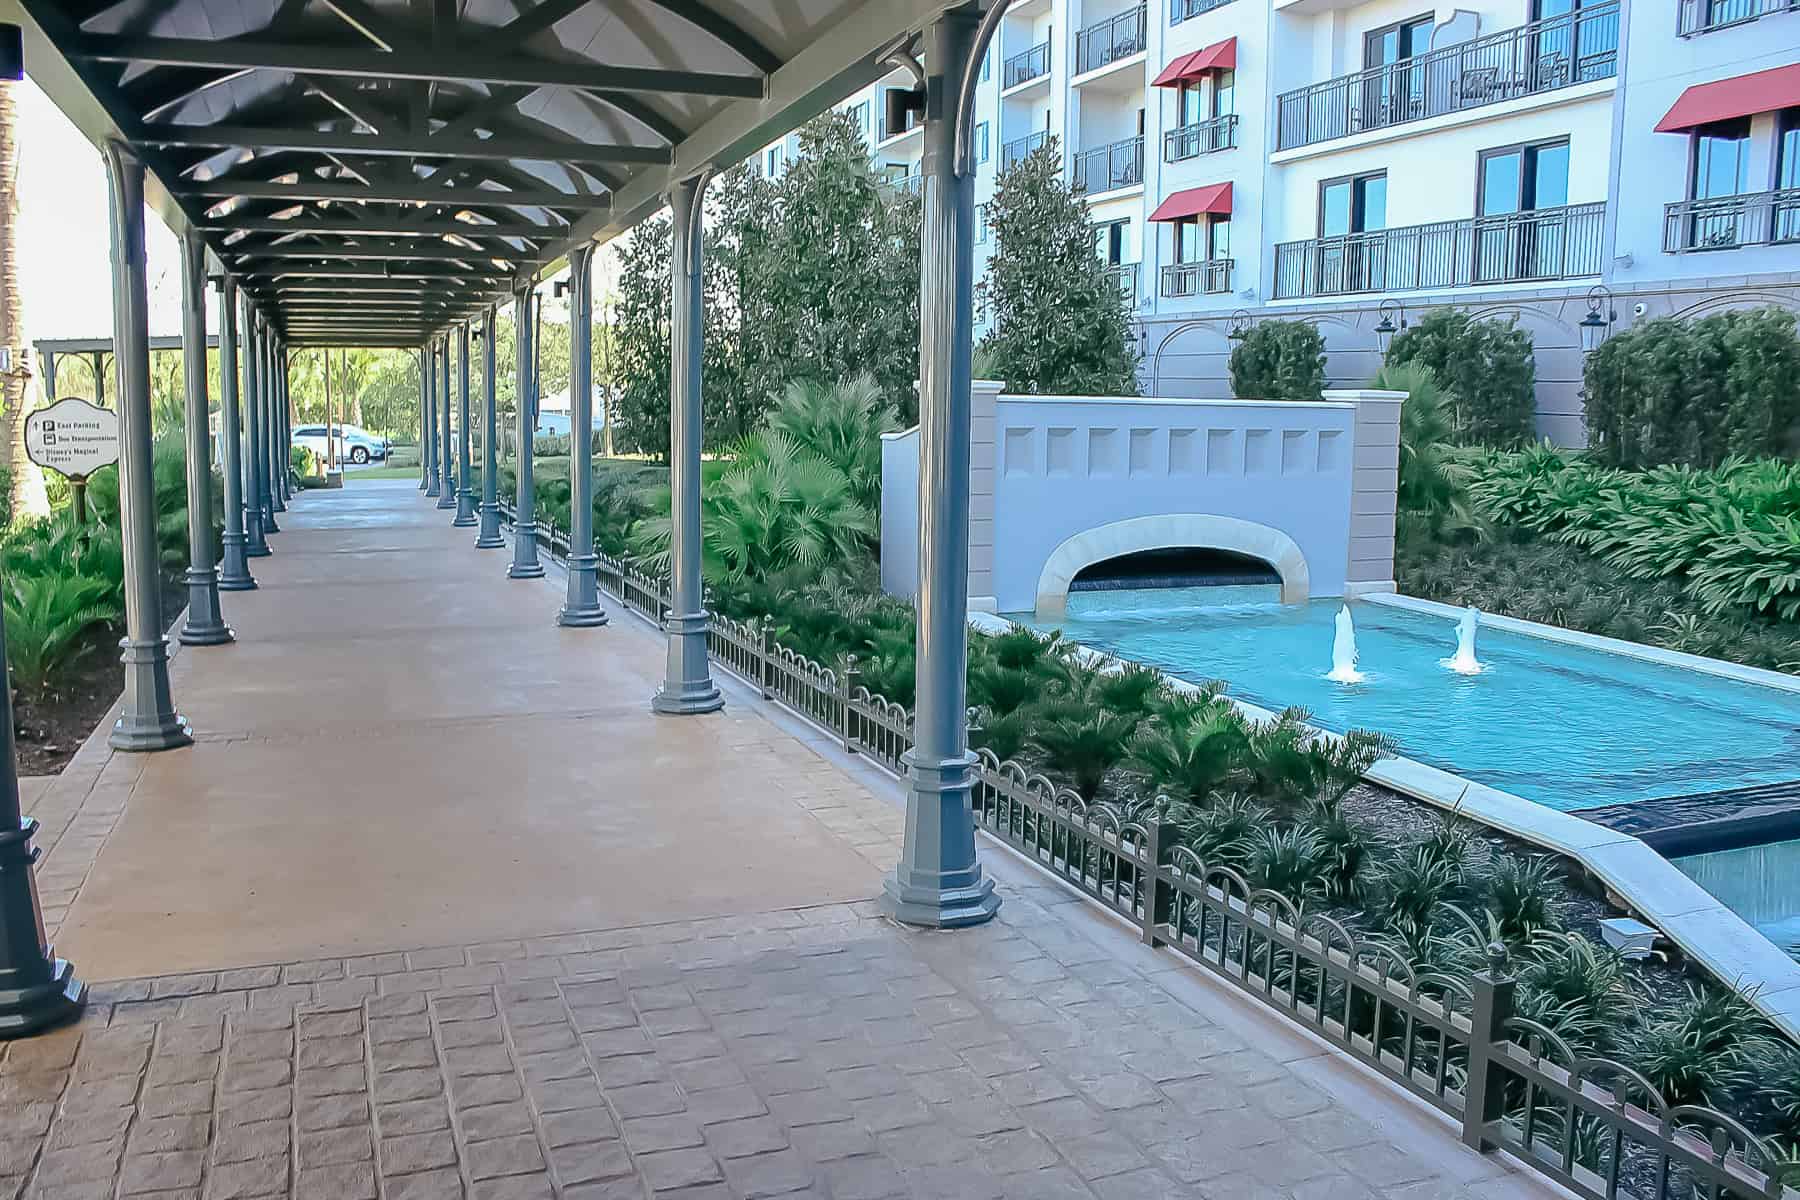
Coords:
pixel 355 444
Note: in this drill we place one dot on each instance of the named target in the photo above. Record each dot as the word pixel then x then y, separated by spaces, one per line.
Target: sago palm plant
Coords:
pixel 46 616
pixel 1188 762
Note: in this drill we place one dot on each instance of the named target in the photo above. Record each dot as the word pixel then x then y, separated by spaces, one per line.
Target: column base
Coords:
pixel 147 735
pixel 269 525
pixel 489 538
pixel 465 510
pixel 259 551
pixel 234 572
pixel 938 882
pixel 582 608
pixel 693 698
pixel 525 564
pixel 205 624
pixel 447 499
pixel 591 617
pixel 530 570
pixel 277 503
pixel 37 989
pixel 431 488
pixel 37 1007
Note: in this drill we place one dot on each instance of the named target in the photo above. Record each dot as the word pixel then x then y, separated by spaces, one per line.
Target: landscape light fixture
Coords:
pixel 1393 320
pixel 1240 325
pixel 1595 326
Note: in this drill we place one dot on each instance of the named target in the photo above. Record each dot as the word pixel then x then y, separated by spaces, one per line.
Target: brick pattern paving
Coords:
pixel 820 1052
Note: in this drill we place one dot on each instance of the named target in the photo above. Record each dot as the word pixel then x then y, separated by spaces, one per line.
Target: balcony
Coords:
pixel 1728 222
pixel 1210 278
pixel 898 185
pixel 1125 277
pixel 1187 10
pixel 1108 168
pixel 1025 66
pixel 1106 42
pixel 1202 137
pixel 1704 16
pixel 1023 147
pixel 1533 59
pixel 1548 243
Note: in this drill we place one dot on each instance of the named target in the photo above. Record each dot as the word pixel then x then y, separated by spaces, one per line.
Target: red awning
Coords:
pixel 1213 198
pixel 1724 99
pixel 1220 56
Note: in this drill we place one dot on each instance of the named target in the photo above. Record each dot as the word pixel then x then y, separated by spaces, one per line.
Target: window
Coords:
pixel 1224 93
pixel 1357 204
pixel 1396 43
pixel 1218 238
pixel 1191 103
pixel 774 161
pixel 1787 175
pixel 859 116
pixel 1396 94
pixel 987 65
pixel 981 223
pixel 981 141
pixel 1721 160
pixel 1524 178
pixel 1109 242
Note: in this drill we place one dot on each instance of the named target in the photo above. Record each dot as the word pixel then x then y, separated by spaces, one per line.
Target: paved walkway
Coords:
pixel 436 908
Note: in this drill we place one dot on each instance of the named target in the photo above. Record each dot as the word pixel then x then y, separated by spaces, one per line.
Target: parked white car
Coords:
pixel 355 444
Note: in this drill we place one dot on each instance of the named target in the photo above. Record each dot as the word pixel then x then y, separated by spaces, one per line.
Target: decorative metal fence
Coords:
pixel 1210 278
pixel 1704 16
pixel 1022 147
pixel 1543 243
pixel 1727 222
pixel 1186 10
pixel 1106 42
pixel 1202 137
pixel 1125 277
pixel 1106 168
pixel 1593 1125
pixel 1557 52
pixel 1026 65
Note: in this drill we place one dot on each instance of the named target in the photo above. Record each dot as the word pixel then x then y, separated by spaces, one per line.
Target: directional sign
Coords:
pixel 73 437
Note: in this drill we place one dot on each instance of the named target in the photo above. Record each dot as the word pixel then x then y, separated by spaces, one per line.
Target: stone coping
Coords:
pixel 1642 880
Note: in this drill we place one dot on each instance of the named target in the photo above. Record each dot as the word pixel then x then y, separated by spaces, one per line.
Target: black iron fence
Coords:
pixel 1124 276
pixel 1542 56
pixel 1023 147
pixel 1727 222
pixel 1542 244
pixel 1108 41
pixel 1197 278
pixel 1026 65
pixel 1704 16
pixel 1185 10
pixel 1114 165
pixel 1454 1040
pixel 1202 137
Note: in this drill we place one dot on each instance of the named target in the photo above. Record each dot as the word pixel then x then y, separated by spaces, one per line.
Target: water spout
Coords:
pixel 1343 650
pixel 1464 662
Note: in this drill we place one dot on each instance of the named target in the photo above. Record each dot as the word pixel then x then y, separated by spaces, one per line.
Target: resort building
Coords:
pixel 1344 160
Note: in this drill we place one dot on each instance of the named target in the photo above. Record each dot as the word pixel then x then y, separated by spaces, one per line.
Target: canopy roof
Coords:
pixel 1220 56
pixel 372 170
pixel 1214 198
pixel 1739 96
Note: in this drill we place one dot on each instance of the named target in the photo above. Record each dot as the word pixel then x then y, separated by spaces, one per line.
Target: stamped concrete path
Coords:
pixel 435 907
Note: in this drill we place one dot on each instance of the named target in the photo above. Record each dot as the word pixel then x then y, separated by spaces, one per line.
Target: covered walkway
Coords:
pixel 434 906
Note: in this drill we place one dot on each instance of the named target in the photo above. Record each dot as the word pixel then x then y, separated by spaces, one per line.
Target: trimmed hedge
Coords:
pixel 1487 368
pixel 1695 393
pixel 1279 360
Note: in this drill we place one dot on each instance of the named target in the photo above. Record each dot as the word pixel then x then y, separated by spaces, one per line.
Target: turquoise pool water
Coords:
pixel 1565 726
pixel 1758 884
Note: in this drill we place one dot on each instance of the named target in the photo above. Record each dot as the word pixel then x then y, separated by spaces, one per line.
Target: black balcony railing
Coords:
pixel 1704 16
pixel 1727 222
pixel 1125 277
pixel 1202 137
pixel 1110 40
pixel 1558 52
pixel 1106 168
pixel 1548 243
pixel 1019 148
pixel 1026 65
pixel 1209 278
pixel 1187 10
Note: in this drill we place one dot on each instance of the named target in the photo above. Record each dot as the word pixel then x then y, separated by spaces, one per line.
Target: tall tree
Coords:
pixel 1060 324
pixel 641 347
pixel 27 495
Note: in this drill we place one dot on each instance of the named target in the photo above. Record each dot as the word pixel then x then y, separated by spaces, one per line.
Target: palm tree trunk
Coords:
pixel 27 489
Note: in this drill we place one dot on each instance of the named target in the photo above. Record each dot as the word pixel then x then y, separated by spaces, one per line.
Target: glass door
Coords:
pixel 1517 183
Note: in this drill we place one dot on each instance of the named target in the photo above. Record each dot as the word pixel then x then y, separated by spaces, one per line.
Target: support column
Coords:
pixel 687 682
pixel 489 538
pixel 446 437
pixel 149 720
pixel 525 564
pixel 256 545
pixel 271 398
pixel 234 567
pixel 37 989
pixel 582 607
pixel 284 468
pixel 465 489
pixel 428 418
pixel 424 421
pixel 938 881
pixel 205 623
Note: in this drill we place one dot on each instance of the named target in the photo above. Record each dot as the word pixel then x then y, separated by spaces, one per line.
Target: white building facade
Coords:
pixel 1322 159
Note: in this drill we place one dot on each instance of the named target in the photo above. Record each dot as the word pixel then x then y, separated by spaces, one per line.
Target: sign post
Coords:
pixel 73 438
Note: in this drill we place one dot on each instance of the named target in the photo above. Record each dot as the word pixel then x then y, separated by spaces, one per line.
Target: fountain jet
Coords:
pixel 1464 662
pixel 1343 650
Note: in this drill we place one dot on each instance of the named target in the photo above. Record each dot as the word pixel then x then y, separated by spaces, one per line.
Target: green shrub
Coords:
pixel 1699 1049
pixel 1190 760
pixel 46 618
pixel 1432 497
pixel 1695 392
pixel 1518 895
pixel 841 423
pixel 1485 367
pixel 1279 360
pixel 1292 861
pixel 305 462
